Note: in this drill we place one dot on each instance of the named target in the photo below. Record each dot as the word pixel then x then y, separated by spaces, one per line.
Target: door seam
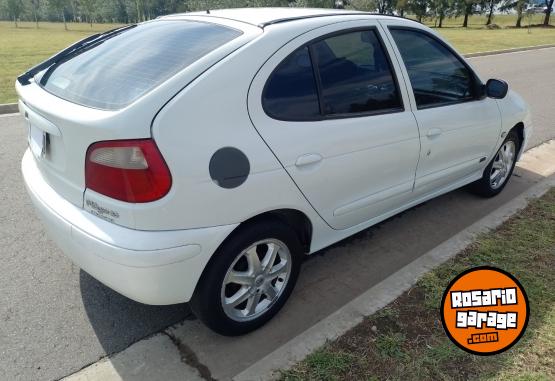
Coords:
pixel 401 64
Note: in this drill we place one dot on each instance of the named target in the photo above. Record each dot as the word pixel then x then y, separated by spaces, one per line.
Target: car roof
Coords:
pixel 262 17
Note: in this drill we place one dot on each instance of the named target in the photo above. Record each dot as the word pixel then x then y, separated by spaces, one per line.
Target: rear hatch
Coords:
pixel 113 90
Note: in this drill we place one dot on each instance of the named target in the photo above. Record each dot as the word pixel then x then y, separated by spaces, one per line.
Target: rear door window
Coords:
pixel 290 93
pixel 123 68
pixel 355 74
pixel 347 74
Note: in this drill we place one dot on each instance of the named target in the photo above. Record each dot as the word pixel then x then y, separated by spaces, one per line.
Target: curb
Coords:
pixel 512 50
pixel 390 288
pixel 9 108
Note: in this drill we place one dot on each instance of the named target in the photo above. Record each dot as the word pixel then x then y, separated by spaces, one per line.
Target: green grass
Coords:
pixel 328 364
pixel 476 38
pixel 481 40
pixel 479 21
pixel 405 340
pixel 23 47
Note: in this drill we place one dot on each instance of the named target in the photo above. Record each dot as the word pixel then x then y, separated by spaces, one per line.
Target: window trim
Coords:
pixel 479 85
pixel 316 72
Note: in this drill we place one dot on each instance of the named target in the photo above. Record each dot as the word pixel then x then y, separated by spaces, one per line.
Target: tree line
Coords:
pixel 130 11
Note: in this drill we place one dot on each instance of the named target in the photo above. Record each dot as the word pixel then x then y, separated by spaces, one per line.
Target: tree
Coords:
pixel 385 6
pixel 15 9
pixel 441 9
pixel 60 7
pixel 364 5
pixel 401 7
pixel 418 8
pixel 466 8
pixel 491 7
pixel 89 6
pixel 548 10
pixel 467 12
pixel 518 6
pixel 35 4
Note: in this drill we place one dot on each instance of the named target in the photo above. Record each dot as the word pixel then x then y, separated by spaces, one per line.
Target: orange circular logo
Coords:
pixel 485 310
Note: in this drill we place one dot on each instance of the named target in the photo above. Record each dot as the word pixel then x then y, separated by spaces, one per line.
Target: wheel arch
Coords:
pixel 293 218
pixel 519 129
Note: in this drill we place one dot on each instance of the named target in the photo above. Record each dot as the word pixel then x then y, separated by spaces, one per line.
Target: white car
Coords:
pixel 198 157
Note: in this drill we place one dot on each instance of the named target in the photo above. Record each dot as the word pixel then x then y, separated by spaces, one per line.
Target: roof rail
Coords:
pixel 358 13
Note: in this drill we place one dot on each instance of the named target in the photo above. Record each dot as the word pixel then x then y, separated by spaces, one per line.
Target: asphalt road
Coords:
pixel 55 319
pixel 532 75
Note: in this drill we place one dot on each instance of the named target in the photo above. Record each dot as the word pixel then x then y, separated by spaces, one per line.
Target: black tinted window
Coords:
pixel 290 93
pixel 437 76
pixel 355 74
pixel 121 69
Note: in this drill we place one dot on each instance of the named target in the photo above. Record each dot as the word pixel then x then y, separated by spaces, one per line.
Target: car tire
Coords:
pixel 237 292
pixel 496 175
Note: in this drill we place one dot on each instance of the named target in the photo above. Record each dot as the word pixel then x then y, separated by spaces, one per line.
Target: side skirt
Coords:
pixel 323 239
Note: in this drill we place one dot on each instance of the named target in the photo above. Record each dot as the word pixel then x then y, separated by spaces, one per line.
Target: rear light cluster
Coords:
pixel 127 170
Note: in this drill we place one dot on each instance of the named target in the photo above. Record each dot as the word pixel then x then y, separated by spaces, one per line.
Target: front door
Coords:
pixel 459 126
pixel 331 108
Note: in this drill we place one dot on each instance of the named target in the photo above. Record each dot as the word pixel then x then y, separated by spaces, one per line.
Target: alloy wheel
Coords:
pixel 256 279
pixel 502 164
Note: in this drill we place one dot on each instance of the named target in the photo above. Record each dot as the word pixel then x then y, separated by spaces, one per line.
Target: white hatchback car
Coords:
pixel 198 157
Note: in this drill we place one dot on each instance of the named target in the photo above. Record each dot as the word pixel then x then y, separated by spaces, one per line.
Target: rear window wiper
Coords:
pixel 24 79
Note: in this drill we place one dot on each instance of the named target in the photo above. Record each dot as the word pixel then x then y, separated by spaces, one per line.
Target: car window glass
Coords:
pixel 437 76
pixel 125 67
pixel 290 93
pixel 355 74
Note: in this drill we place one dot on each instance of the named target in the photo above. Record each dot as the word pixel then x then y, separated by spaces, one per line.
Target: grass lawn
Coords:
pixel 406 341
pixel 481 40
pixel 479 21
pixel 23 47
pixel 476 38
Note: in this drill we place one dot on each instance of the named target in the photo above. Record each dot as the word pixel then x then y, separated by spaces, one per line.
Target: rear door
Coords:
pixel 330 106
pixel 459 126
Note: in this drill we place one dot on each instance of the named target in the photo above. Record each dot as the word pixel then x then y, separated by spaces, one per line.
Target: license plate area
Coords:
pixel 38 140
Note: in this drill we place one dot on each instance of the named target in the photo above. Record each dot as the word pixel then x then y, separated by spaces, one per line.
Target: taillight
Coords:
pixel 127 170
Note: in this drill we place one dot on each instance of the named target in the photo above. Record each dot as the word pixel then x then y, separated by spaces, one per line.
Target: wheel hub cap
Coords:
pixel 502 164
pixel 255 280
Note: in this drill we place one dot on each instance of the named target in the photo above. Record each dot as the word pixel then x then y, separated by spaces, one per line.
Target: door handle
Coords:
pixel 432 133
pixel 311 158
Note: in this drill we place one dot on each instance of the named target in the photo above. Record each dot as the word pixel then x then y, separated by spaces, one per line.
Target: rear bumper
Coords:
pixel 151 267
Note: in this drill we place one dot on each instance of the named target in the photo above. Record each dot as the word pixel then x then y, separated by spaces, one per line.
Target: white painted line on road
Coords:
pixel 395 285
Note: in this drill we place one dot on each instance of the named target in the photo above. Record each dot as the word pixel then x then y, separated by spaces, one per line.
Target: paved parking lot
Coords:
pixel 55 319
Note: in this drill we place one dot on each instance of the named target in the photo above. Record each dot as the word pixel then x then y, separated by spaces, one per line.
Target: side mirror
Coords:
pixel 496 88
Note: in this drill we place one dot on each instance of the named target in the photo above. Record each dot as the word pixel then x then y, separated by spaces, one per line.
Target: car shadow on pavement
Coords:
pixel 118 321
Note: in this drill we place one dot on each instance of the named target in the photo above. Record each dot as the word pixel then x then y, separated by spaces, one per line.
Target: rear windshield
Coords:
pixel 121 69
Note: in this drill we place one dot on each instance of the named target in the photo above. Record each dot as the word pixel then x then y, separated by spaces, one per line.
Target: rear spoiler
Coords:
pixel 24 79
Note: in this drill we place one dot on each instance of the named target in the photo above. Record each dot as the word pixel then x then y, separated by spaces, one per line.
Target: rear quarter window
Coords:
pixel 118 71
